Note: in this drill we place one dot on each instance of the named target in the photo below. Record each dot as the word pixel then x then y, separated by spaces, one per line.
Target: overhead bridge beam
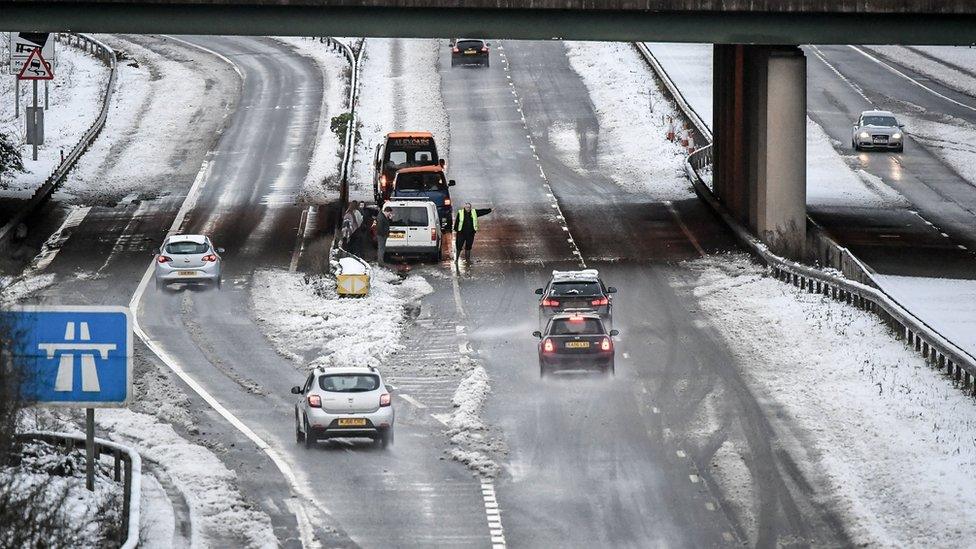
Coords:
pixel 429 19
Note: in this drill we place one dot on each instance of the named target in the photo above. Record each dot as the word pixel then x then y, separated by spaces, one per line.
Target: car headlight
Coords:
pixel 896 136
pixel 864 135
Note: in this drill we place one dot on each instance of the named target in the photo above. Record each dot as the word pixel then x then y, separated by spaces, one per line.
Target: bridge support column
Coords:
pixel 759 106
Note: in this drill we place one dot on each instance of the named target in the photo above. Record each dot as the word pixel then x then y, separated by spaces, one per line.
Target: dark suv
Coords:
pixel 576 291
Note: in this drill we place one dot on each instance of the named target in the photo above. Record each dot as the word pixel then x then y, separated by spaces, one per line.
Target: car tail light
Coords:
pixel 210 257
pixel 550 303
pixel 484 48
pixel 547 346
pixel 315 401
pixel 164 259
pixel 455 49
pixel 447 201
pixel 385 399
pixel 433 234
pixel 606 345
pixel 600 301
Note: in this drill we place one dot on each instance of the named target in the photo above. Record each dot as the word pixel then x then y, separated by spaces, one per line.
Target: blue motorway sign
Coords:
pixel 74 356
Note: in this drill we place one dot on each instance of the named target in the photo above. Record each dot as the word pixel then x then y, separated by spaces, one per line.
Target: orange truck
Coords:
pixel 401 150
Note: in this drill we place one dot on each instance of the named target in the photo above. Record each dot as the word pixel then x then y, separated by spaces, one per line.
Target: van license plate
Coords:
pixel 396 236
pixel 352 422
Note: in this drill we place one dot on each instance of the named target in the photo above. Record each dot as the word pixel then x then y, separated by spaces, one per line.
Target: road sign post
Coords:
pixel 36 136
pixel 17 98
pixel 74 357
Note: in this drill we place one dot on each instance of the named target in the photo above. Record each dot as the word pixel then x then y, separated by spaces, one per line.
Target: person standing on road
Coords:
pixel 465 227
pixel 382 232
pixel 350 222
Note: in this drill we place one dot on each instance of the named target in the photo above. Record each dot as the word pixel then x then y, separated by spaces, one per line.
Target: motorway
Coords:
pixel 589 461
pixel 923 240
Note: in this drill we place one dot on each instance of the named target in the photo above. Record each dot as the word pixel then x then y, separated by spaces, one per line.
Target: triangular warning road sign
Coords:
pixel 36 68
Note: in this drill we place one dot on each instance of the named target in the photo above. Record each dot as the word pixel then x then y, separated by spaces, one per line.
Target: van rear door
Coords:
pixel 410 226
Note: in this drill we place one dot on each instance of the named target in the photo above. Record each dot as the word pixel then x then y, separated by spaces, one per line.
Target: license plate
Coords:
pixel 880 139
pixel 470 52
pixel 398 236
pixel 188 273
pixel 577 344
pixel 352 422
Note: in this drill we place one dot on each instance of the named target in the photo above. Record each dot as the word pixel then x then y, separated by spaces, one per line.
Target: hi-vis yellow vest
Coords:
pixel 474 219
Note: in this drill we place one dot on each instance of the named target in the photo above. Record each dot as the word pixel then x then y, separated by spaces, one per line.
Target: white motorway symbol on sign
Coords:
pixel 89 374
pixel 23 43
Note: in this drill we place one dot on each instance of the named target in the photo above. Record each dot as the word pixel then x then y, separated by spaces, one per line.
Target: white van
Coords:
pixel 415 228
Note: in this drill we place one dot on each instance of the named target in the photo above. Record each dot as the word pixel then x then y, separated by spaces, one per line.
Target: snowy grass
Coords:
pixel 881 423
pixel 308 322
pixel 951 139
pixel 403 94
pixel 75 97
pixel 952 65
pixel 321 183
pixel 631 110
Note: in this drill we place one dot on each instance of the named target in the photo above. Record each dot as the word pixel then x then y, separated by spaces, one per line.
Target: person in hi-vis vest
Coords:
pixel 465 227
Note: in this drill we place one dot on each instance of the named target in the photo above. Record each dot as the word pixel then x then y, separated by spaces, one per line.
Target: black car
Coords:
pixel 576 290
pixel 466 51
pixel 576 341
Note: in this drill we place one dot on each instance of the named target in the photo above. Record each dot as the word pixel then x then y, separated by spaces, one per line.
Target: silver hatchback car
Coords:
pixel 349 402
pixel 878 130
pixel 188 258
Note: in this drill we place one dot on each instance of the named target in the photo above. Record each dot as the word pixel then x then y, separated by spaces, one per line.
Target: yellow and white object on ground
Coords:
pixel 352 277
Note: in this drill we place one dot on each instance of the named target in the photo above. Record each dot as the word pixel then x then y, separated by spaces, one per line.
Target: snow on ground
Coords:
pixel 14 290
pixel 321 183
pixel 690 67
pixel 946 304
pixel 59 479
pixel 631 111
pixel 217 509
pixel 467 430
pixel 399 71
pixel 75 99
pixel 157 97
pixel 951 139
pixel 309 323
pixel 878 423
pixel 954 66
pixel 832 182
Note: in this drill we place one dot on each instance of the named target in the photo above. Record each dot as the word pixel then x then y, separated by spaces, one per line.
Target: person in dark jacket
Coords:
pixel 465 227
pixel 382 232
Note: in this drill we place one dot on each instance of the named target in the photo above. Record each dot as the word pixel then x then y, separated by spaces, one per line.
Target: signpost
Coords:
pixel 74 357
pixel 35 68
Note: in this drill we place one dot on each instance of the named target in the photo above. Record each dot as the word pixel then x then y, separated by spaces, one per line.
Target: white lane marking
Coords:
pixel 626 355
pixel 301 514
pixel 49 251
pixel 710 506
pixel 681 453
pixel 693 478
pixel 119 242
pixel 492 513
pixel 945 235
pixel 222 57
pixel 910 79
pixel 961 247
pixel 684 228
pixel 416 403
pixel 833 69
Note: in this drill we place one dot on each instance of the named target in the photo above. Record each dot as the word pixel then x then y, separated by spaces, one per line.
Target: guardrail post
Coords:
pixel 126 495
pixel 118 462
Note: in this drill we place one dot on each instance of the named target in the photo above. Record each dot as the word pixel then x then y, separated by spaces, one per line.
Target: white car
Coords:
pixel 348 402
pixel 878 130
pixel 415 229
pixel 188 258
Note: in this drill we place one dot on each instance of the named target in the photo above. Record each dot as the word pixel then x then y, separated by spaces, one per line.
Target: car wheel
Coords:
pixel 487 63
pixel 438 255
pixel 386 437
pixel 609 370
pixel 299 436
pixel 309 438
pixel 900 149
pixel 453 62
pixel 219 282
pixel 542 371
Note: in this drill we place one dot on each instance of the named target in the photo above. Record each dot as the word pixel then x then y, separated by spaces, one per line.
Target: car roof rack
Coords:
pixel 576 275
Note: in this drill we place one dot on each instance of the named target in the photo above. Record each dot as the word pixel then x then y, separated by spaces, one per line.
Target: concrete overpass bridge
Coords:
pixel 759 72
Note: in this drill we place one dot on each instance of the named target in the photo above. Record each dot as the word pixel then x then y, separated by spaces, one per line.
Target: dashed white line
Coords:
pixel 416 403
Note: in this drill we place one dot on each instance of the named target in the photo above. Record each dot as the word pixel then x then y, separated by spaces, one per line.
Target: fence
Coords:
pixel 128 471
pixel 857 285
pixel 107 56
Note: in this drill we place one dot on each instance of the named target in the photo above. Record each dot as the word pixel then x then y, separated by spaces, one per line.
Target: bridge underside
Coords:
pixel 690 25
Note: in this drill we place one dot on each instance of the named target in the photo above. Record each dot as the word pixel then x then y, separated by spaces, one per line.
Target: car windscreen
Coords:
pixel 409 216
pixel 420 182
pixel 179 248
pixel 349 383
pixel 576 326
pixel 576 288
pixel 410 151
pixel 469 44
pixel 879 121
